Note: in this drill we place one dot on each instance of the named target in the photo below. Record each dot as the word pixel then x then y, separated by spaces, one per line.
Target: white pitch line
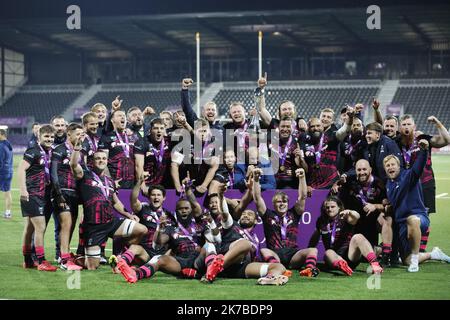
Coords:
pixel 441 195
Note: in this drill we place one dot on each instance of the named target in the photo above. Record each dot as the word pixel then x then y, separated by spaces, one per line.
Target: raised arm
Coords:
pixel 160 238
pixel 442 139
pixel 376 111
pixel 196 208
pixel 136 205
pixel 191 116
pixel 302 192
pixel 259 201
pixel 246 198
pixel 346 127
pixel 77 170
pixel 266 117
pixel 213 166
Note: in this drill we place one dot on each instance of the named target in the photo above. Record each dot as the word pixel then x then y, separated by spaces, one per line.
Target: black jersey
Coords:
pixel 96 194
pixel 62 175
pixel 150 218
pixel 88 148
pixel 122 148
pixel 336 233
pixel 281 232
pixel 38 174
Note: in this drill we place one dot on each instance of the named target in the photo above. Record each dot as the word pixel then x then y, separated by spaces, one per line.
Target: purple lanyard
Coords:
pixel 318 152
pixel 351 146
pixel 183 189
pixel 103 187
pixel 283 226
pixel 159 155
pixel 241 134
pixel 185 231
pixel 155 216
pixel 253 238
pixel 362 195
pixel 93 143
pixel 231 176
pixel 285 150
pixel 407 153
pixel 46 158
pixel 125 146
pixel 333 231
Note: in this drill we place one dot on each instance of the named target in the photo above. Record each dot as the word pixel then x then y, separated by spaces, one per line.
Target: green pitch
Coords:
pixel 432 281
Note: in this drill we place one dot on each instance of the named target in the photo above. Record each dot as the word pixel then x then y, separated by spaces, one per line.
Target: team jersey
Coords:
pixel 64 176
pixel 150 218
pixel 122 148
pixel 321 157
pixel 409 154
pixel 281 232
pixel 96 194
pixel 351 150
pixel 195 162
pixel 37 176
pixel 181 241
pixel 287 162
pixel 157 162
pixel 88 148
pixel 374 192
pixel 336 234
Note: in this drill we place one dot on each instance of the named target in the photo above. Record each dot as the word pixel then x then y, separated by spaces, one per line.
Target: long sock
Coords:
pixel 311 261
pixel 386 248
pixel 271 259
pixel 424 241
pixel 26 251
pixel 371 257
pixel 145 271
pixel 40 254
pixel 128 256
pixel 80 249
pixel 102 248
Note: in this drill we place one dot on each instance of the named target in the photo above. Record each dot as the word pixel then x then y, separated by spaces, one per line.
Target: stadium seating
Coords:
pixel 424 101
pixel 42 105
pixel 309 101
pixel 159 99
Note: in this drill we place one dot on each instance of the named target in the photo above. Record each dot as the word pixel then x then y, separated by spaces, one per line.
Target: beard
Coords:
pixel 245 225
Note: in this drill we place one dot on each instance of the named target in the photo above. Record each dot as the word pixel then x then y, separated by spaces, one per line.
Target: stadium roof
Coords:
pixel 225 33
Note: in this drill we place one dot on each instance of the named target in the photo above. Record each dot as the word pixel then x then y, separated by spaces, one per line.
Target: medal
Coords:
pixel 282 168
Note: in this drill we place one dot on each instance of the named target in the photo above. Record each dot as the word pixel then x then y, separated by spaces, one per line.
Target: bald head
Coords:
pixel 363 170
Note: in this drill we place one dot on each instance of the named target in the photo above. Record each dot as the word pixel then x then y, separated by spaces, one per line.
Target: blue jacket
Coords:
pixel 386 146
pixel 405 192
pixel 6 158
pixel 267 182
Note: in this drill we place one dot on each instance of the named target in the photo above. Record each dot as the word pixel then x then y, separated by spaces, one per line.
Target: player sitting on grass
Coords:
pixel 343 249
pixel 281 227
pixel 410 215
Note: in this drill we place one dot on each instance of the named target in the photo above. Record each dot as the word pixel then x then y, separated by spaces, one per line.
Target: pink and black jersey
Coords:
pixel 286 162
pixel 96 194
pixel 180 241
pixel 321 157
pixel 62 175
pixel 150 218
pixel 336 233
pixel 89 147
pixel 38 179
pixel 281 232
pixel 409 154
pixel 157 162
pixel 122 148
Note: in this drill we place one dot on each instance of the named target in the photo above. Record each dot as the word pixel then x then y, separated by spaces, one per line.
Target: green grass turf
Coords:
pixel 432 282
